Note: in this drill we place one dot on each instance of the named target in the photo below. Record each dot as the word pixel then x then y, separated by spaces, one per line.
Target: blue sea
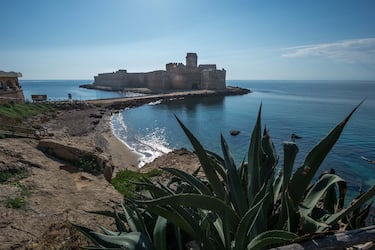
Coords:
pixel 58 90
pixel 309 109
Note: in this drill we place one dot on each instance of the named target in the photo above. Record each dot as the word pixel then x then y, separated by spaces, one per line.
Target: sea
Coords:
pixel 309 109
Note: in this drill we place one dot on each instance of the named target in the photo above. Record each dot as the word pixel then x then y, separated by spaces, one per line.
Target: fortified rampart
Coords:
pixel 10 89
pixel 177 76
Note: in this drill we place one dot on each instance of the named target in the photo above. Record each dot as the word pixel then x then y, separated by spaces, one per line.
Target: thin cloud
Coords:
pixel 347 51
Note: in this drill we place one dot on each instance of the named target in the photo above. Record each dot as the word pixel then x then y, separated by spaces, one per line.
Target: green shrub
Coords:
pixel 251 206
pixel 19 201
pixel 89 164
pixel 16 203
pixel 125 180
pixel 13 175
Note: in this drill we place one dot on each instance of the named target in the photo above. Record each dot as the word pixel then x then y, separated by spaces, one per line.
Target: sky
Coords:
pixel 252 40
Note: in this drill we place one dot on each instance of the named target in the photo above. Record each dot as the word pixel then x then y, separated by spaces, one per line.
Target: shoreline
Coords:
pixel 122 154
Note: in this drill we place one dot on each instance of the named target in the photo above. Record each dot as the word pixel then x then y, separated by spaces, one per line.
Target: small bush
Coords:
pixel 19 201
pixel 89 165
pixel 16 203
pixel 13 175
pixel 124 180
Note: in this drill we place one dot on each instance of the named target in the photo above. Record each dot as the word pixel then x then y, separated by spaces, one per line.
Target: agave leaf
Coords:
pixel 270 238
pixel 193 181
pixel 233 180
pixel 342 192
pixel 293 217
pixel 218 164
pixel 277 187
pixel 87 232
pixel 290 153
pixel 119 224
pixel 254 160
pixel 270 160
pixel 189 225
pixel 218 224
pixel 177 233
pixel 303 176
pixel 109 232
pixel 198 201
pixel 318 190
pixel 154 190
pixel 288 216
pixel 131 241
pixel 205 162
pixel 227 226
pixel 160 234
pixel 246 224
pixel 309 225
pixel 330 200
pixel 360 219
pixel 134 219
pixel 355 205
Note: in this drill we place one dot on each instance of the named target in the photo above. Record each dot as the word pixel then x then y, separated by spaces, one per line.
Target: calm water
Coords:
pixel 308 108
pixel 57 90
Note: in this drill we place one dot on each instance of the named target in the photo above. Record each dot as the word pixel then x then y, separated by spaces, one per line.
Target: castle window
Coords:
pixel 1 85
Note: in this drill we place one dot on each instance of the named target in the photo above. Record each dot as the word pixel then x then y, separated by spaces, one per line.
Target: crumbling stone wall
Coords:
pixel 10 89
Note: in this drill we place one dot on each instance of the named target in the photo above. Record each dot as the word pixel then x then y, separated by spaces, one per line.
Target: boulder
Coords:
pixel 83 158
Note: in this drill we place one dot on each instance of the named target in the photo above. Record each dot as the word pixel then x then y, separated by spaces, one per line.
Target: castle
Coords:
pixel 177 76
pixel 10 89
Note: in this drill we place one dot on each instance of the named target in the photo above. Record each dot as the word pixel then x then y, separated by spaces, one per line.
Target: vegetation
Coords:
pixel 252 206
pixel 125 181
pixel 15 112
pixel 89 164
pixel 20 200
pixel 14 175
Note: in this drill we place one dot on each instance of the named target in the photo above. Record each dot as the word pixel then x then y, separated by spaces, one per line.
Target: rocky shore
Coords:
pixel 52 191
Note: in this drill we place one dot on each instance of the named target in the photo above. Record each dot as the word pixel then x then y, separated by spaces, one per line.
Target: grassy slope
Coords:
pixel 15 113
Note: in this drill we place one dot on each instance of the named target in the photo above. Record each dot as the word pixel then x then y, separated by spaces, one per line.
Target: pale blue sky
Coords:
pixel 276 39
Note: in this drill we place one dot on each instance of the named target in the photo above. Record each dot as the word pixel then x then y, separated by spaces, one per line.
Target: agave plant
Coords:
pixel 250 206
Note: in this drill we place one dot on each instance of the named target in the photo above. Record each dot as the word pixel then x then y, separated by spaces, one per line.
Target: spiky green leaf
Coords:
pixel 206 164
pixel 303 176
pixel 160 234
pixel 357 204
pixel 271 238
pixel 318 190
pixel 233 180
pixel 254 160
pixel 195 182
pixel 198 201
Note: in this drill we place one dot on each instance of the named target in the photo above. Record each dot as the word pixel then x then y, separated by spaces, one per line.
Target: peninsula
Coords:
pixel 176 77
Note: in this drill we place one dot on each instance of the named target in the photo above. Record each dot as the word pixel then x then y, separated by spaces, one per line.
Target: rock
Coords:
pixel 234 132
pixel 92 162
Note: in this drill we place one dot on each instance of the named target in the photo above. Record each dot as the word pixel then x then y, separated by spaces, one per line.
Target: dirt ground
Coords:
pixel 55 194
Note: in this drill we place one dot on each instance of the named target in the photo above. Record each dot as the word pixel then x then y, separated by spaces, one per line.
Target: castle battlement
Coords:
pixel 176 76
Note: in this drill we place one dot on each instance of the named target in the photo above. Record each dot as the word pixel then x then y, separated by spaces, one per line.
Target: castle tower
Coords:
pixel 191 60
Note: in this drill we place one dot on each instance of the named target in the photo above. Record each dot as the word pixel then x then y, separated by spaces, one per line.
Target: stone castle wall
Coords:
pixel 176 76
pixel 10 89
